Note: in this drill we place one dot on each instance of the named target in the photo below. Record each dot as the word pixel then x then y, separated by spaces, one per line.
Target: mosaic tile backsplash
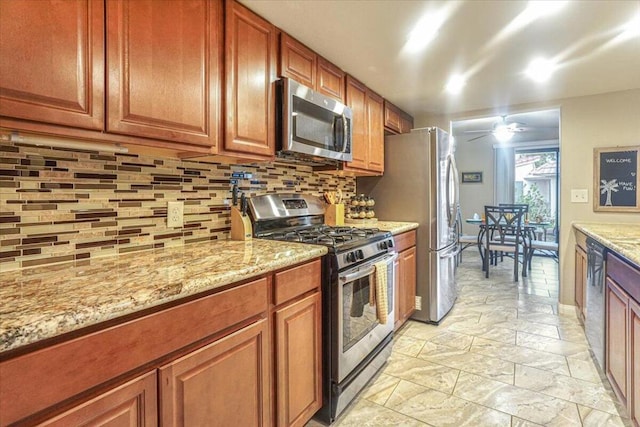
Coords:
pixel 60 205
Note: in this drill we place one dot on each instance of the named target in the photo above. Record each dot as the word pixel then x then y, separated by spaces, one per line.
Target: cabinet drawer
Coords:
pixel 296 281
pixel 627 277
pixel 35 381
pixel 405 240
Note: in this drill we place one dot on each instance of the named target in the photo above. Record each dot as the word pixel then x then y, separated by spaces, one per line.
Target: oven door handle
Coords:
pixel 367 271
pixel 357 275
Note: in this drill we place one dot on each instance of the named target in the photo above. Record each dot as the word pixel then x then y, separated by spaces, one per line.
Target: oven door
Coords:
pixel 359 331
pixel 315 124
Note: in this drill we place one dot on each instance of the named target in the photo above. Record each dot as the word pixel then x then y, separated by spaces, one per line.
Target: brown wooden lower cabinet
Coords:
pixel 133 404
pixel 223 384
pixel 195 373
pixel 407 284
pixel 623 333
pixel 617 314
pixel 299 361
pixel 580 280
pixel 405 277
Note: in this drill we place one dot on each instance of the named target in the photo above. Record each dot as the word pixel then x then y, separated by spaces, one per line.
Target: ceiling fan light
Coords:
pixel 503 133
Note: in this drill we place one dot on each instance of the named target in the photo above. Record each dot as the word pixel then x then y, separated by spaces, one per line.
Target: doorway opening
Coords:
pixel 536 176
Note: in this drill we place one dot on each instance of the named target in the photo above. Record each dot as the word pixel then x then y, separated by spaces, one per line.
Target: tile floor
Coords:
pixel 506 355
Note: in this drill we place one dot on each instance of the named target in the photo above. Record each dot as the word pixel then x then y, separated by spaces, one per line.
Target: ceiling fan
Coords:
pixel 502 130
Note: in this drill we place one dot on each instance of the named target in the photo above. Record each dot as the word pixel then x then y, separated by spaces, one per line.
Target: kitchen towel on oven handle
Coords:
pixel 381 297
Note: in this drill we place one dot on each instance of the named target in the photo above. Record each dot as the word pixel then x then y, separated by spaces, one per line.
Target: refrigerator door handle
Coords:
pixel 451 204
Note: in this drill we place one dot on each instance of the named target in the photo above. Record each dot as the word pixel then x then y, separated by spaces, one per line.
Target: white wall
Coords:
pixel 605 120
pixel 475 157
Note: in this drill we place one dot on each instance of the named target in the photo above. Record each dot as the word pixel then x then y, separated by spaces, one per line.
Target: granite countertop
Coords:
pixel 621 238
pixel 43 302
pixel 395 227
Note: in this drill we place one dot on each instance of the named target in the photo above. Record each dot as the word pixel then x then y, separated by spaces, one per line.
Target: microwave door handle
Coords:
pixel 345 129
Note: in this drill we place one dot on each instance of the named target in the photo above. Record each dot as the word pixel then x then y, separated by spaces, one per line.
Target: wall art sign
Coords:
pixel 616 180
pixel 472 177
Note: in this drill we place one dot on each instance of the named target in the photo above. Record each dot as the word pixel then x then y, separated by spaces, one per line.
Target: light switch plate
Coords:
pixel 418 303
pixel 579 196
pixel 175 214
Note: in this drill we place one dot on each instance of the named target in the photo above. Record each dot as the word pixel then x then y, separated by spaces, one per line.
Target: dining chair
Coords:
pixel 464 240
pixel 503 233
pixel 547 248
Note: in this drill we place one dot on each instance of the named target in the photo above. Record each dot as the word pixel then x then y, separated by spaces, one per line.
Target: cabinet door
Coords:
pixel 406 123
pixel 297 61
pixel 250 76
pixel 634 358
pixel 617 315
pixel 133 404
pixel 330 80
pixel 391 117
pixel 356 96
pixel 163 63
pixel 225 383
pixel 407 285
pixel 375 122
pixel 298 361
pixel 580 278
pixel 52 61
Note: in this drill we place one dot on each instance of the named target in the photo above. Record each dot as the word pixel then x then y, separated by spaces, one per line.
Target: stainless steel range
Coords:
pixel 355 343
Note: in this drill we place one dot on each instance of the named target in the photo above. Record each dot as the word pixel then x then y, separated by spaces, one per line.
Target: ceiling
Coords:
pixel 481 40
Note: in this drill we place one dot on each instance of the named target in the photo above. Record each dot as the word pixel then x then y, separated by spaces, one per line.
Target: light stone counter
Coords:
pixel 395 227
pixel 43 302
pixel 621 238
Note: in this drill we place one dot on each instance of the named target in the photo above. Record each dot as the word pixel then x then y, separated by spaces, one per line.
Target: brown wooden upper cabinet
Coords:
pixel 163 67
pixel 367 128
pixel 164 76
pixel 52 66
pixel 303 65
pixel 250 74
pixel 396 121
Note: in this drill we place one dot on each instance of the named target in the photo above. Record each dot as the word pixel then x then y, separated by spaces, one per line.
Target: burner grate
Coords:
pixel 323 235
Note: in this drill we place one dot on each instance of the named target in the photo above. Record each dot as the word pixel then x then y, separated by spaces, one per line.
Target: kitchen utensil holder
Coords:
pixel 241 228
pixel 334 214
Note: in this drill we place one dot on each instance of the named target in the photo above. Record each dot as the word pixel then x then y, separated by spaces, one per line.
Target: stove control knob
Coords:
pixel 350 257
pixel 360 254
pixel 390 243
pixel 382 245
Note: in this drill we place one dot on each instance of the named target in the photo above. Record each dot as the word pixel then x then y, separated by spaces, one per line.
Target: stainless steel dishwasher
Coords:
pixel 594 322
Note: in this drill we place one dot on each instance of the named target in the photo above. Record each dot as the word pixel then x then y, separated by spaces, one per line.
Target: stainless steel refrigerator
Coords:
pixel 420 184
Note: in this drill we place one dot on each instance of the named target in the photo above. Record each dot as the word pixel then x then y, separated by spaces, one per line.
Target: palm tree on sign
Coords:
pixel 608 187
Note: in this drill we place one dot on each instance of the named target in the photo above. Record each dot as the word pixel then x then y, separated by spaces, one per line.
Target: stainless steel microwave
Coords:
pixel 311 124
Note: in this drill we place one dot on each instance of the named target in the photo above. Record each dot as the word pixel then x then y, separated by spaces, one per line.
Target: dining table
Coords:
pixel 527 234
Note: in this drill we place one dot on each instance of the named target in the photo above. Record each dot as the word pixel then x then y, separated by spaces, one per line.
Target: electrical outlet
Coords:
pixel 579 196
pixel 418 303
pixel 175 214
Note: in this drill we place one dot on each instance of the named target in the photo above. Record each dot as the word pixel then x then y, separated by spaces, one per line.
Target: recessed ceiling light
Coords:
pixel 423 33
pixel 455 84
pixel 540 70
pixel 536 8
pixel 631 28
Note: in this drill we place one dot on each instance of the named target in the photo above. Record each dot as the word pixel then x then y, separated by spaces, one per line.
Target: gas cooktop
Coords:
pixel 335 237
pixel 300 218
